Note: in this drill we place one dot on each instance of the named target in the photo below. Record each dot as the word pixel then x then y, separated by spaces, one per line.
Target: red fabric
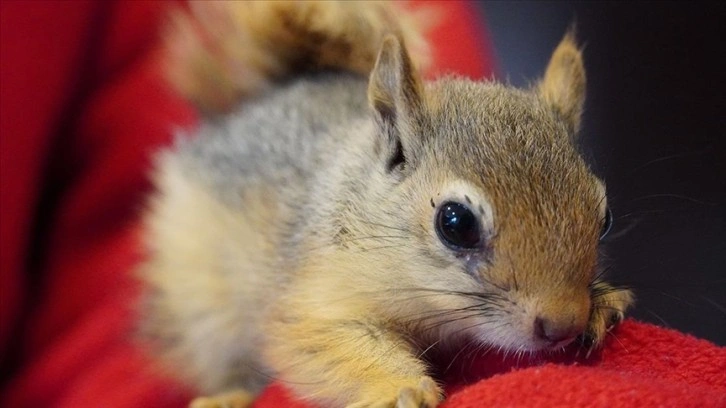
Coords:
pixel 460 43
pixel 640 365
pixel 83 108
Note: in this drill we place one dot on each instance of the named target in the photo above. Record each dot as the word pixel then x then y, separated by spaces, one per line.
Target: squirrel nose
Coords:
pixel 556 332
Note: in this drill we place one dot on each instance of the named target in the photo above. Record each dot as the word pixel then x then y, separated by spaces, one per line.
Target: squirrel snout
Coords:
pixel 557 332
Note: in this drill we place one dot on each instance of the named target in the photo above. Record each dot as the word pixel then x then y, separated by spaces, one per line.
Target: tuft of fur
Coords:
pixel 295 238
pixel 218 52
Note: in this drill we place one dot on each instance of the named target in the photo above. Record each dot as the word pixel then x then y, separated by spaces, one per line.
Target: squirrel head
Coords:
pixel 503 216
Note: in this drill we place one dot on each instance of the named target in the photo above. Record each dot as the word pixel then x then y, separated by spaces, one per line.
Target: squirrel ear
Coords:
pixel 563 85
pixel 394 93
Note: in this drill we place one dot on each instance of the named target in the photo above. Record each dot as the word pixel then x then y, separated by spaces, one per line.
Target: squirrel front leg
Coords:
pixel 609 304
pixel 350 363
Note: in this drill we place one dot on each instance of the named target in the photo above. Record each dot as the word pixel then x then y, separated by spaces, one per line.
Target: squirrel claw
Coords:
pixel 615 319
pixel 425 395
pixel 234 399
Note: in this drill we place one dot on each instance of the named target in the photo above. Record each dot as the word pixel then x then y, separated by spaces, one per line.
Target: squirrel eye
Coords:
pixel 607 223
pixel 457 226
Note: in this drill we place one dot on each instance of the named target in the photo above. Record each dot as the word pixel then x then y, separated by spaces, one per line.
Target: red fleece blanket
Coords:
pixel 83 109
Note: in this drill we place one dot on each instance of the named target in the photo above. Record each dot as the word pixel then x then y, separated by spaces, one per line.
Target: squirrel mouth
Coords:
pixel 560 343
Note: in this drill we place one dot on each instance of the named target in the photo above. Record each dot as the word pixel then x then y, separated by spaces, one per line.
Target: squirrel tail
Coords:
pixel 216 53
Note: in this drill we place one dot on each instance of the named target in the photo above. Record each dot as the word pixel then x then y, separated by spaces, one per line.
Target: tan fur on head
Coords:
pixel 563 85
pixel 221 51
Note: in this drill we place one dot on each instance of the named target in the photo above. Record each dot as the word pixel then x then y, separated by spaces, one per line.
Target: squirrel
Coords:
pixel 343 219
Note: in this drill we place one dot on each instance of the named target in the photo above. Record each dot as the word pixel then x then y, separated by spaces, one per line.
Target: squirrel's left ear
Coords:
pixel 394 93
pixel 563 85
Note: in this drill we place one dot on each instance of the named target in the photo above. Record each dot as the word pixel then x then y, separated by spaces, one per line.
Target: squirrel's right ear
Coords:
pixel 394 93
pixel 563 85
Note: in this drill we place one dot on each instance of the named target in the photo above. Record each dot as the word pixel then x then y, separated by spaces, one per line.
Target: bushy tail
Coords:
pixel 219 52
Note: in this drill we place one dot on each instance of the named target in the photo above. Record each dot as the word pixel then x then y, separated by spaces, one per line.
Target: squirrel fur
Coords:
pixel 297 237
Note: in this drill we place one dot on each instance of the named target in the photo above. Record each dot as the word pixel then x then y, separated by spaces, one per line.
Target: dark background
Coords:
pixel 655 130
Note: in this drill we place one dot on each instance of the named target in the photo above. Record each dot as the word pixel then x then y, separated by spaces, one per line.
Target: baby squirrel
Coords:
pixel 329 231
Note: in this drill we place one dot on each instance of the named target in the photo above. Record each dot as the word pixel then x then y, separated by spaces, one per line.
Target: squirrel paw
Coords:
pixel 609 304
pixel 233 399
pixel 426 394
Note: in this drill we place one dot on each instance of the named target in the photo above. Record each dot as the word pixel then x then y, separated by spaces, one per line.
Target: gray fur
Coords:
pixel 276 139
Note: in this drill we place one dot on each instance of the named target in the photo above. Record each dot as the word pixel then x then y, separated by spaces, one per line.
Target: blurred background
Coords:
pixel 655 130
